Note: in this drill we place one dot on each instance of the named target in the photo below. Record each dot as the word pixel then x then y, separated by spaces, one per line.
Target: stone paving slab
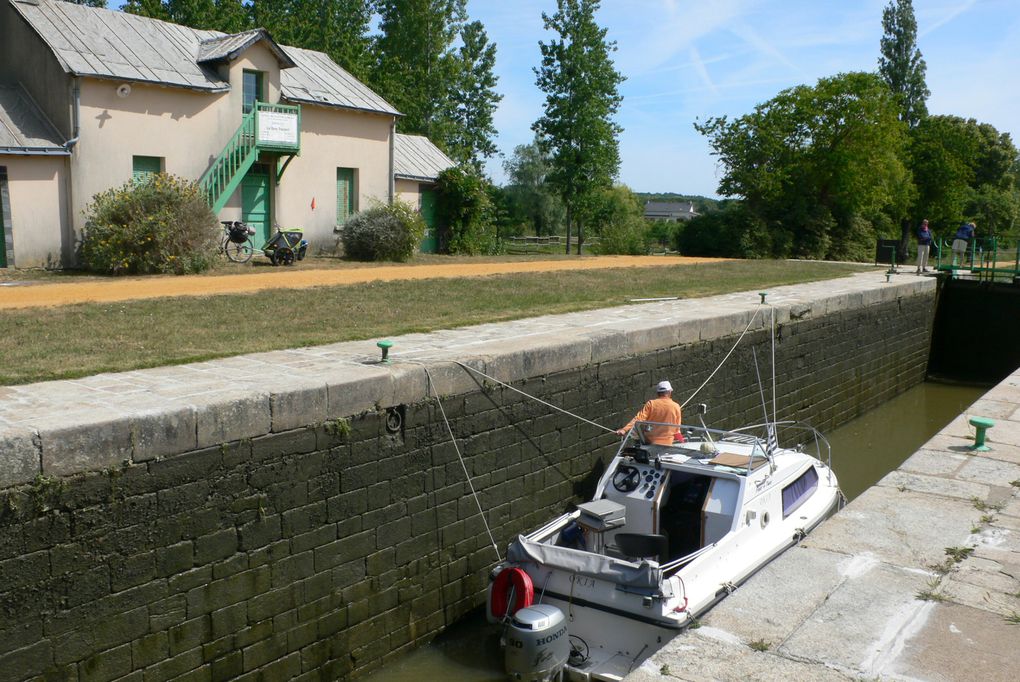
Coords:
pixel 872 593
pixel 110 418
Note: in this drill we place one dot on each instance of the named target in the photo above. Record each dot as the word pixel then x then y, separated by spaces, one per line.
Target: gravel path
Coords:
pixel 16 294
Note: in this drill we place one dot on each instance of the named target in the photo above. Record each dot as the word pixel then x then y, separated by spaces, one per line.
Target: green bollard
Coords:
pixel 980 424
pixel 385 346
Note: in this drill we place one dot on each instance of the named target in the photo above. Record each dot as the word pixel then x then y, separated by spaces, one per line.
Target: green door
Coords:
pixel 428 213
pixel 344 194
pixel 255 204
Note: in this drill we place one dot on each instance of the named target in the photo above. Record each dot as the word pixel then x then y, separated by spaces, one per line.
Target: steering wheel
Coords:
pixel 626 478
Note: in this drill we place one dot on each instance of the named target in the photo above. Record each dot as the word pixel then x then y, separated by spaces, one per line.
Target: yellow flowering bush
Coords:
pixel 160 225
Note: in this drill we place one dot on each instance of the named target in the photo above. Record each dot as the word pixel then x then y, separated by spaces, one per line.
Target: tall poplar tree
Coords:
pixel 901 65
pixel 577 129
pixel 228 16
pixel 340 28
pixel 417 68
pixel 475 98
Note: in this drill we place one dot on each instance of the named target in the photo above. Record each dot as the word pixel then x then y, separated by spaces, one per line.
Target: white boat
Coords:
pixel 669 532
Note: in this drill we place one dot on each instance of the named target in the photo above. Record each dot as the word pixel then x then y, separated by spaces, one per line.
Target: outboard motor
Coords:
pixel 537 645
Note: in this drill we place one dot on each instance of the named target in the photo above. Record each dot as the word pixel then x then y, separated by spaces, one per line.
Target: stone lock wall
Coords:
pixel 323 551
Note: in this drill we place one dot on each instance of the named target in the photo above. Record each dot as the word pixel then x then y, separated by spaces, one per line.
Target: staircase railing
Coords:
pixel 227 171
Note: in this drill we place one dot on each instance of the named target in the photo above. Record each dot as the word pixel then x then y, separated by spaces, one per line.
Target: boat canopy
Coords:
pixel 619 571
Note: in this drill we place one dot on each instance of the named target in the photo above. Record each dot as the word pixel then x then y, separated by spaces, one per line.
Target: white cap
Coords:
pixel 663 387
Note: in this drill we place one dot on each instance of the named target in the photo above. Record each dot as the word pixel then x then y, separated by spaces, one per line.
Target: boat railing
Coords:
pixel 787 434
pixel 703 434
pixel 800 434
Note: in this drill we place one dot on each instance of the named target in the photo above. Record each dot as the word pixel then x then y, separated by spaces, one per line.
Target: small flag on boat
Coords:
pixel 771 443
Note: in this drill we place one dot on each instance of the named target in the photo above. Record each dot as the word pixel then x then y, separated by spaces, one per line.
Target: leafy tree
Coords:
pixel 475 99
pixel 417 70
pixel 340 28
pixel 464 212
pixel 88 3
pixel 617 217
pixel 577 129
pixel 964 169
pixel 228 16
pixel 901 65
pixel 728 232
pixel 530 198
pixel 819 168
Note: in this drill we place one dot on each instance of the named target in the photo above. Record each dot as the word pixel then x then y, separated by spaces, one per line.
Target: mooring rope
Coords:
pixel 535 398
pixel 460 457
pixel 735 344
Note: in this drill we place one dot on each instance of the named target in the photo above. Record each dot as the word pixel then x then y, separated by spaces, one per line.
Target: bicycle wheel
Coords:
pixel 239 253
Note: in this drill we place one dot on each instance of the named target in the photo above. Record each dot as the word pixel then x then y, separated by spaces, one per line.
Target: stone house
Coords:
pixel 277 135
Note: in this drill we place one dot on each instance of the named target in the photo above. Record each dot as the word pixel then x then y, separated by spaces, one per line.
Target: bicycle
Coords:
pixel 237 244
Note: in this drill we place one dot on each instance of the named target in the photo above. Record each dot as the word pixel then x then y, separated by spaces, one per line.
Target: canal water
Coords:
pixel 863 451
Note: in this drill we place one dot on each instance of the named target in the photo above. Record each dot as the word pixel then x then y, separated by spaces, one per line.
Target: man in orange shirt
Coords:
pixel 664 411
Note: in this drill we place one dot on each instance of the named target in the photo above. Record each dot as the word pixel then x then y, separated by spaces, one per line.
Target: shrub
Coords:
pixel 616 216
pixel 161 225
pixel 465 213
pixel 383 233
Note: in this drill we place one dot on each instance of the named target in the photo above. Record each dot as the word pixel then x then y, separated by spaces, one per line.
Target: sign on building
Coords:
pixel 278 128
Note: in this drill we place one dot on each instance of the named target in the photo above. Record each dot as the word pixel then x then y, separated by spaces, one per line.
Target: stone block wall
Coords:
pixel 322 551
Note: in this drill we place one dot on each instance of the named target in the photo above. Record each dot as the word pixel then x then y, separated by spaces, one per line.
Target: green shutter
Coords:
pixel 144 167
pixel 344 194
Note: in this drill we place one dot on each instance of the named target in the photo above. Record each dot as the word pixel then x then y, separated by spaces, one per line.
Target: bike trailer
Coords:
pixel 286 246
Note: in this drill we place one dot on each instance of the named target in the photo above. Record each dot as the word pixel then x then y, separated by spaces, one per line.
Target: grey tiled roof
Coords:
pixel 227 47
pixel 104 44
pixel 319 80
pixel 24 129
pixel 416 158
pixel 101 43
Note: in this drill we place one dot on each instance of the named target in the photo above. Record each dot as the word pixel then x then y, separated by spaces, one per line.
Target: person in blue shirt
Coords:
pixel 923 245
pixel 963 236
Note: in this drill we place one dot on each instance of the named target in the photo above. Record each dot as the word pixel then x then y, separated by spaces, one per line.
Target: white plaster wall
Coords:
pixel 409 191
pixel 38 198
pixel 189 130
pixel 332 139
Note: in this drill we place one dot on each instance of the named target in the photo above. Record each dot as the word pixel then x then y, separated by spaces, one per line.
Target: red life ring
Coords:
pixel 524 592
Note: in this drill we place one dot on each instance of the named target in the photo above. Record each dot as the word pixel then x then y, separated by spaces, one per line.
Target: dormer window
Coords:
pixel 252 90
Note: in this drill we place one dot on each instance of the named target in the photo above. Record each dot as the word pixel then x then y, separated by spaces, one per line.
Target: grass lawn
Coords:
pixel 79 340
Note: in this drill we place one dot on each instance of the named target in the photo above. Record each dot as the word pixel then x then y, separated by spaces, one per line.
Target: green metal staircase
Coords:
pixel 228 170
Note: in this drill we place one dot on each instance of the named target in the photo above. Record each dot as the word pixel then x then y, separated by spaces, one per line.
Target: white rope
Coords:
pixel 460 457
pixel 526 395
pixel 735 344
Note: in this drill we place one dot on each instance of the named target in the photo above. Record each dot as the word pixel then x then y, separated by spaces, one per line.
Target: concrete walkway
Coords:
pixel 917 579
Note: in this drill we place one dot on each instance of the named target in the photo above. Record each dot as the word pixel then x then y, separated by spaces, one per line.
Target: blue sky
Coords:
pixel 687 60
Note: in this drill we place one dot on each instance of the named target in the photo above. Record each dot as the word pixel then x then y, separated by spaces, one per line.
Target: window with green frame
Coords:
pixel 345 194
pixel 144 167
pixel 251 90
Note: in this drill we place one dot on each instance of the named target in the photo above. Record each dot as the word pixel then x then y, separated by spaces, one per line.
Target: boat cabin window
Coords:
pixel 799 491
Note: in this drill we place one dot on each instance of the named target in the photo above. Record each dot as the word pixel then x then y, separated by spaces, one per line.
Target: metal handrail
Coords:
pixel 225 173
pixel 721 436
